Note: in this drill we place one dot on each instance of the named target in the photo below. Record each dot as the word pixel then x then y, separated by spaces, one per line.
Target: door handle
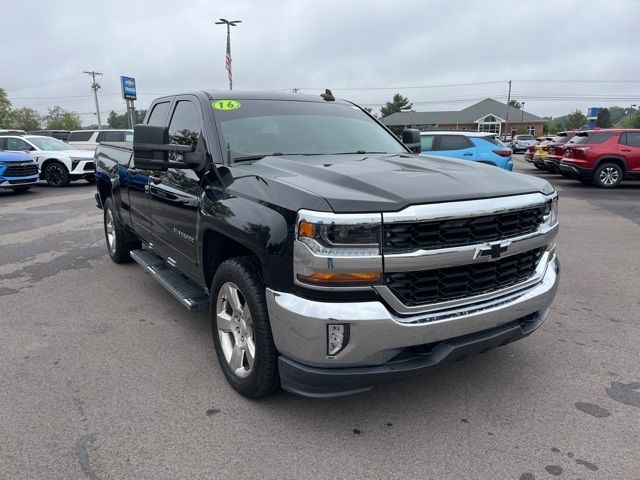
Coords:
pixel 625 149
pixel 468 154
pixel 155 180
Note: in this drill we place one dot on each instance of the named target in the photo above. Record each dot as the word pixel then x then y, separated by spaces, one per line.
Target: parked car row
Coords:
pixel 54 160
pixel 603 157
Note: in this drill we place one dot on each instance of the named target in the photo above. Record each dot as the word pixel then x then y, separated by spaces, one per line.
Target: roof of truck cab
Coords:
pixel 259 95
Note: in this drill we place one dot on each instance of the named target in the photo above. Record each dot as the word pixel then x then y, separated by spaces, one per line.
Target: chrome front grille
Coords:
pixel 451 283
pixel 408 237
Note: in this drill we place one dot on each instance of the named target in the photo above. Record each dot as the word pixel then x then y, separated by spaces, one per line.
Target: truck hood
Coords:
pixel 377 183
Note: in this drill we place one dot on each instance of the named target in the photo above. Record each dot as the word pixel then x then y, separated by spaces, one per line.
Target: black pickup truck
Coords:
pixel 329 256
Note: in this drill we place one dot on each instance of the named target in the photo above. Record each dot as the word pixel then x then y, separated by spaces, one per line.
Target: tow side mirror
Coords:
pixel 151 149
pixel 411 139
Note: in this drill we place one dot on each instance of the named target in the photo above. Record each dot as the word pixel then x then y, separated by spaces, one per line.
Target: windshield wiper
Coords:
pixel 256 157
pixel 357 152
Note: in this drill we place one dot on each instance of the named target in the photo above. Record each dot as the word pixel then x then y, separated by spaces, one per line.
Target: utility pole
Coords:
pixel 522 114
pixel 229 24
pixel 506 120
pixel 95 86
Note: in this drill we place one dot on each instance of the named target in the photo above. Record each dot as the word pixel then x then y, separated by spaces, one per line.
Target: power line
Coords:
pixel 44 84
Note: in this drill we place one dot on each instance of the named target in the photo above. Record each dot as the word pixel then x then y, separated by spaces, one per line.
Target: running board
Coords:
pixel 193 297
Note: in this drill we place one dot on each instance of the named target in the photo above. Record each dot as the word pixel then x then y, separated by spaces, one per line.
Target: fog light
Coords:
pixel 337 338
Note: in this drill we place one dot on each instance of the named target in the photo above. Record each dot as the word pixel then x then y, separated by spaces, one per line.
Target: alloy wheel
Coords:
pixel 609 176
pixel 55 174
pixel 110 229
pixel 235 330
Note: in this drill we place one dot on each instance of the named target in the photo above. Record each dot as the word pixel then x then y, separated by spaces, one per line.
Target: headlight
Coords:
pixel 337 249
pixel 550 214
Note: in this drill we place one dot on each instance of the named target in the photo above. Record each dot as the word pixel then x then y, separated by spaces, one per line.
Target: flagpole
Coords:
pixel 229 24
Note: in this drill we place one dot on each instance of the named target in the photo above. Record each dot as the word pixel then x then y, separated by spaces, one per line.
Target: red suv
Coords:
pixel 603 157
pixel 555 151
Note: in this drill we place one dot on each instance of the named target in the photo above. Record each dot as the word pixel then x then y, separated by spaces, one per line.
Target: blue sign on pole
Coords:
pixel 128 88
pixel 592 117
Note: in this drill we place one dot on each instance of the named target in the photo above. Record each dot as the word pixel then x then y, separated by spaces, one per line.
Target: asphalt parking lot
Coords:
pixel 103 375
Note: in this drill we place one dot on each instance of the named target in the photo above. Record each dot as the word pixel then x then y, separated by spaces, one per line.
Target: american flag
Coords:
pixel 228 61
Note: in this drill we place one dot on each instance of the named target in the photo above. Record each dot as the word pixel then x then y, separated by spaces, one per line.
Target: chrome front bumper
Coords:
pixel 377 334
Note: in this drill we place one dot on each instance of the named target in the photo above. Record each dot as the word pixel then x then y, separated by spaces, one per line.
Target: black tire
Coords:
pixel 539 166
pixel 119 247
pixel 22 189
pixel 91 180
pixel 56 174
pixel 608 175
pixel 262 378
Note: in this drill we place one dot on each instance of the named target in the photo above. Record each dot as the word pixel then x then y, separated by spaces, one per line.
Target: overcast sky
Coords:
pixel 352 47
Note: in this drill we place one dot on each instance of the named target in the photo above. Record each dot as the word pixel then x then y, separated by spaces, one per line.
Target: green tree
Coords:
pixel 576 119
pixel 58 118
pixel 122 121
pixel 604 118
pixel 397 104
pixel 618 112
pixel 5 109
pixel 25 119
pixel 515 103
pixel 549 125
pixel 632 120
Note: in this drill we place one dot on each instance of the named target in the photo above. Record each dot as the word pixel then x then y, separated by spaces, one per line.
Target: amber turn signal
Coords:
pixel 343 279
pixel 307 229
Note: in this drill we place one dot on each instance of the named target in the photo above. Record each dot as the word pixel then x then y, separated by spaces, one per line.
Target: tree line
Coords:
pixel 56 118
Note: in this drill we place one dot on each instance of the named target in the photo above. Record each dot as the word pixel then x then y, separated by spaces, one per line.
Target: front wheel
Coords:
pixel 91 180
pixel 56 174
pixel 241 330
pixel 608 175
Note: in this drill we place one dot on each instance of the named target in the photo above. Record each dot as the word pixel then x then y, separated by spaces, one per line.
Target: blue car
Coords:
pixel 466 145
pixel 17 171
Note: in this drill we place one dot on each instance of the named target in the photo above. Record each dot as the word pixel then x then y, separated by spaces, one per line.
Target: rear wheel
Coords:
pixel 22 189
pixel 56 174
pixel 608 175
pixel 241 330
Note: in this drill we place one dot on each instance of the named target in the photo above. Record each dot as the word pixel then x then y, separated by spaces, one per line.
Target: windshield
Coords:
pixel 525 137
pixel 267 127
pixel 50 144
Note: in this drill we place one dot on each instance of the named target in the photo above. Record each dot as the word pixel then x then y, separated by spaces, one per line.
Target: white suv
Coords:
pixel 58 162
pixel 89 139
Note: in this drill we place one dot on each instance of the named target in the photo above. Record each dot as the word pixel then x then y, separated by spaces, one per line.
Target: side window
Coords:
pixel 83 136
pixel 3 143
pixel 112 137
pixel 101 137
pixel 426 142
pixel 600 137
pixel 158 113
pixel 453 142
pixel 185 126
pixel 632 139
pixel 17 145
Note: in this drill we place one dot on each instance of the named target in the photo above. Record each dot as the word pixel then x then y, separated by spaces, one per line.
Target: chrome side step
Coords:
pixel 193 297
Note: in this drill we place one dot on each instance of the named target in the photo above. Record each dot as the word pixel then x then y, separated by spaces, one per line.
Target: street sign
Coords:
pixel 592 117
pixel 128 85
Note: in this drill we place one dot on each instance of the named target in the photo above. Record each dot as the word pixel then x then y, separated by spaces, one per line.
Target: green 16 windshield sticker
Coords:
pixel 225 105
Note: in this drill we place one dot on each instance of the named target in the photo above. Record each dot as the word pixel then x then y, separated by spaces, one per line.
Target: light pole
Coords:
pixel 229 24
pixel 522 113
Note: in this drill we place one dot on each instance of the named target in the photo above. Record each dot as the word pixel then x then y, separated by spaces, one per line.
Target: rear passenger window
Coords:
pixel 79 136
pixel 453 142
pixel 426 143
pixel 632 139
pixel 158 113
pixel 600 137
pixel 113 137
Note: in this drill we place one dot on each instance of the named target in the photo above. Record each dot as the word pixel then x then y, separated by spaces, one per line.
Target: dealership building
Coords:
pixel 489 115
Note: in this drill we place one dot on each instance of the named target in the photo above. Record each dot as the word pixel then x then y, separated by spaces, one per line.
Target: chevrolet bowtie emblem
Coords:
pixel 495 250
